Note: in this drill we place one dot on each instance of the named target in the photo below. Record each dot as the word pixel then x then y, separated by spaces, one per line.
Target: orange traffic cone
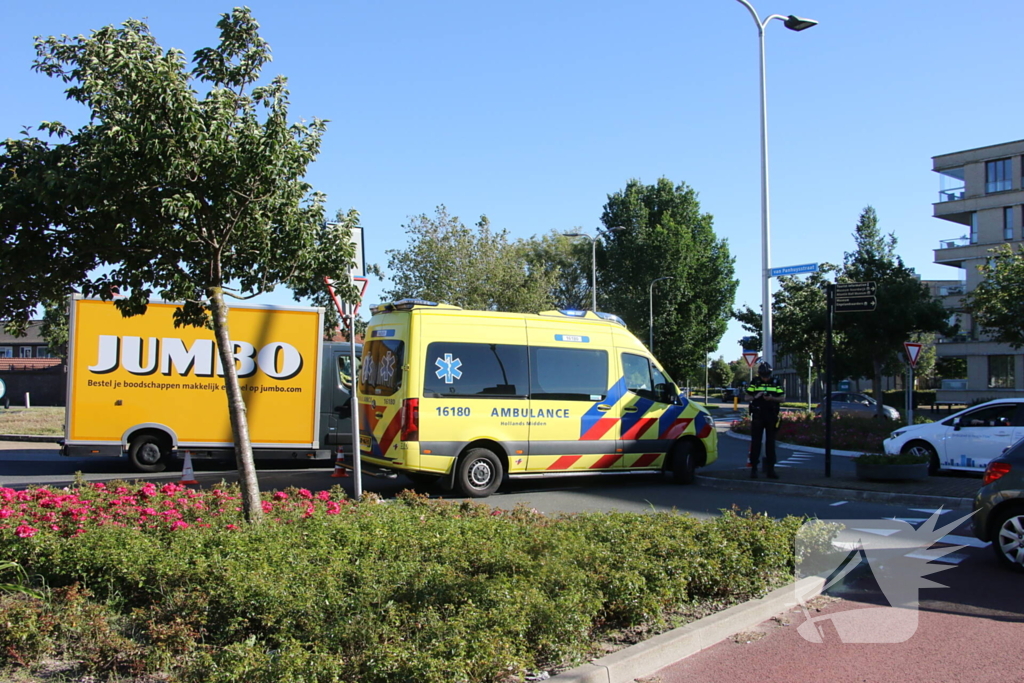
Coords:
pixel 339 467
pixel 188 475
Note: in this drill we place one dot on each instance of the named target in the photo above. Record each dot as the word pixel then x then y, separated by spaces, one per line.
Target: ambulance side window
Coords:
pixel 637 371
pixel 568 374
pixel 459 369
pixel 380 371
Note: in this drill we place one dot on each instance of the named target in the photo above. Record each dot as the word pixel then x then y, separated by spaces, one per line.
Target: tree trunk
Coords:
pixel 251 503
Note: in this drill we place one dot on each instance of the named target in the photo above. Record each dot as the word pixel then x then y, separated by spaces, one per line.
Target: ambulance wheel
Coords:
pixel 684 463
pixel 148 454
pixel 479 474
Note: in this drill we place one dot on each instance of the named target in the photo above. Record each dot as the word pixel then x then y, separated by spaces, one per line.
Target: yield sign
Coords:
pixel 913 352
pixel 750 357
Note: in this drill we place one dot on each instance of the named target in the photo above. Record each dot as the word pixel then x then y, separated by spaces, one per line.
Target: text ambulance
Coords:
pixel 472 397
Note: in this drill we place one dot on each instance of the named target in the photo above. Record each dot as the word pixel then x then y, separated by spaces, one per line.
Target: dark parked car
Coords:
pixel 848 404
pixel 999 507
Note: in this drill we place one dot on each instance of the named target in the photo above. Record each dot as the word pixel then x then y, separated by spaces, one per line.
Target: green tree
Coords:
pixel 567 260
pixel 477 269
pixel 667 235
pixel 905 308
pixel 995 302
pixel 719 374
pixel 185 195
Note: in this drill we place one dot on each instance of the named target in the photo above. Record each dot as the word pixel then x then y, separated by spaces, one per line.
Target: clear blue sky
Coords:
pixel 533 112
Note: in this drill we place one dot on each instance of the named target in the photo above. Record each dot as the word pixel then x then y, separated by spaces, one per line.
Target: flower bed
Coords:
pixel 848 433
pixel 169 581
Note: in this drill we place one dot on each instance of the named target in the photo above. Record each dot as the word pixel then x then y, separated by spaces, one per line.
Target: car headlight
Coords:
pixel 897 433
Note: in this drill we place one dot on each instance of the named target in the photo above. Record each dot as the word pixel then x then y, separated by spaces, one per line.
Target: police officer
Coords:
pixel 765 396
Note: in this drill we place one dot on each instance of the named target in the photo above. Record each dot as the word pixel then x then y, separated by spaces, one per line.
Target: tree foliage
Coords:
pixel 667 235
pixel 166 191
pixel 567 261
pixel 477 269
pixel 905 308
pixel 995 302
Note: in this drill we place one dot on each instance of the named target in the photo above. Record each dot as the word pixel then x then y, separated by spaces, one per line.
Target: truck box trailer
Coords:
pixel 140 387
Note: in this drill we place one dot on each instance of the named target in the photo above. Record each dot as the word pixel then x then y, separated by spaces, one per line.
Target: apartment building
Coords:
pixel 981 193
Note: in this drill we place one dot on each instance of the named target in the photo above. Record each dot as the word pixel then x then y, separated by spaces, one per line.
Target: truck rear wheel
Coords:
pixel 148 453
pixel 479 474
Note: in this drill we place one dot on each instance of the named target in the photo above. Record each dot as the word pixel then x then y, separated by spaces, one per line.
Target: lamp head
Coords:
pixel 795 23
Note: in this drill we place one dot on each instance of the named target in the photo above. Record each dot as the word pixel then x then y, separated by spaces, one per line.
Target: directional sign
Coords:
pixel 855 304
pixel 913 352
pixel 750 357
pixel 844 289
pixel 855 297
pixel 794 270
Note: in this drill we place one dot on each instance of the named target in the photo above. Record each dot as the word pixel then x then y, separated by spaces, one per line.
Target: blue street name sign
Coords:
pixel 794 270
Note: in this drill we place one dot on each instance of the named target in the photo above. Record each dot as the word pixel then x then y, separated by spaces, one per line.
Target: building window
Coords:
pixel 998 176
pixel 6 352
pixel 25 352
pixel 43 352
pixel 974 228
pixel 1008 223
pixel 1000 372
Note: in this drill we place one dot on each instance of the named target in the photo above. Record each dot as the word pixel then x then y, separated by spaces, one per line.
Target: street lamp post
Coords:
pixel 793 23
pixel 650 343
pixel 593 259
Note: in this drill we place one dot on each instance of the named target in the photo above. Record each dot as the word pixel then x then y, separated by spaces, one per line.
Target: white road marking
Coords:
pixel 952 558
pixel 878 532
pixel 908 520
pixel 941 511
pixel 842 502
pixel 953 539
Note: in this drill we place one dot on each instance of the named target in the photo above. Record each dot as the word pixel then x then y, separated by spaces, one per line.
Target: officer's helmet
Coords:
pixel 764 370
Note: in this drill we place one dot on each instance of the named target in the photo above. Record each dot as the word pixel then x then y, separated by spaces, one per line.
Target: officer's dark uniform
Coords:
pixel 764 419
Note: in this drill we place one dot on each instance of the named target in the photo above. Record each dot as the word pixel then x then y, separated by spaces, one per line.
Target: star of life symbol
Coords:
pixel 386 370
pixel 448 368
pixel 368 370
pixel 898 556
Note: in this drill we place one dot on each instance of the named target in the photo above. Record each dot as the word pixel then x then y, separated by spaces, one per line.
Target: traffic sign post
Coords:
pixel 750 357
pixel 913 350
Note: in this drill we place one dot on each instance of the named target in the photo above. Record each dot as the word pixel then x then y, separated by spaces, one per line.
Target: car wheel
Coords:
pixel 922 448
pixel 1008 539
pixel 480 473
pixel 148 454
pixel 684 463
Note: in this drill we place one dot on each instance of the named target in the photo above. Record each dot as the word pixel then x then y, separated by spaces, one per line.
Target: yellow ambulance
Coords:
pixel 475 397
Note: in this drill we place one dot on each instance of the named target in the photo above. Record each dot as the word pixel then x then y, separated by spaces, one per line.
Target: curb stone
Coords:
pixel 831 492
pixel 31 437
pixel 650 656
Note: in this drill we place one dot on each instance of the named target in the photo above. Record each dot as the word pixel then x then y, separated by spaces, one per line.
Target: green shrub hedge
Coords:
pixel 172 582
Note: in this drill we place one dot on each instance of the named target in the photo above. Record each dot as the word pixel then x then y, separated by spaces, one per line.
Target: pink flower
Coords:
pixel 171 488
pixel 232 527
pixel 267 506
pixel 323 495
pixel 25 531
pixel 179 525
pixel 305 493
pixel 280 495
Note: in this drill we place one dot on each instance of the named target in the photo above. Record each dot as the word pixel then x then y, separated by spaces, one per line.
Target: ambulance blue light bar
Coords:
pixel 401 305
pixel 614 318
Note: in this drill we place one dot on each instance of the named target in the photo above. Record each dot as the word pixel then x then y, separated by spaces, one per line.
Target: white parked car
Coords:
pixel 967 440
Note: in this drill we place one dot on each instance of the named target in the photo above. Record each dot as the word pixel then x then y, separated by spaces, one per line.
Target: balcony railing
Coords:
pixel 949 290
pixel 951 194
pixel 954 243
